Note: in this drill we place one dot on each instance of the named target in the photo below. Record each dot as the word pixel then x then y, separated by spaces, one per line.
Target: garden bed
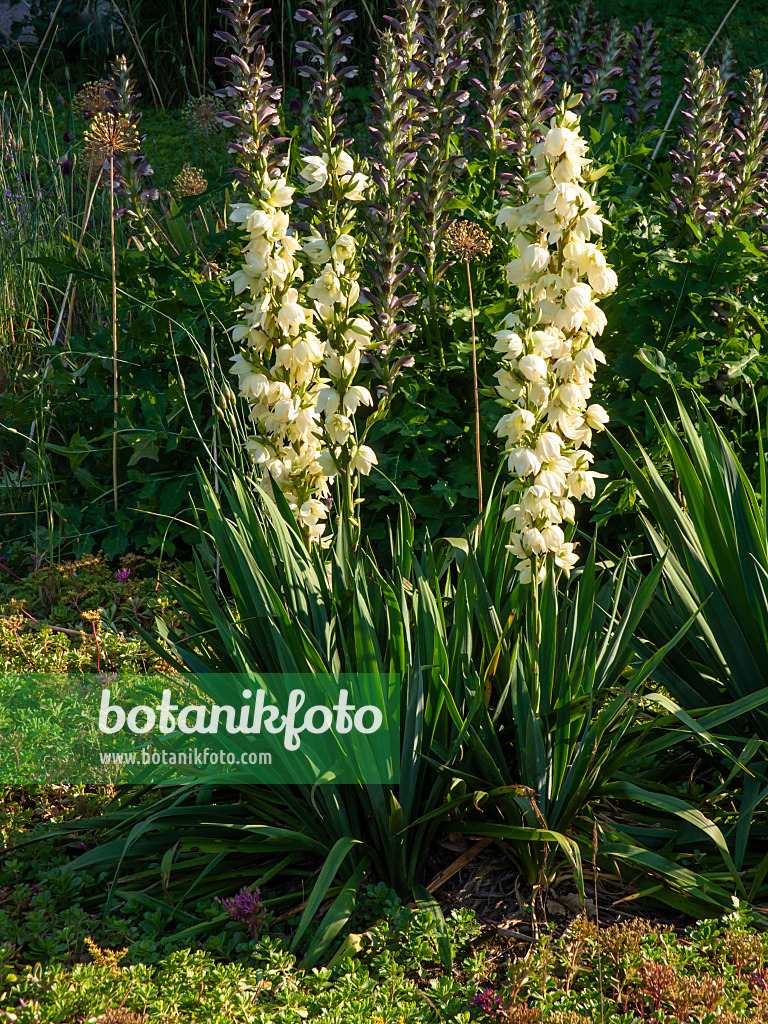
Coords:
pixel 383 461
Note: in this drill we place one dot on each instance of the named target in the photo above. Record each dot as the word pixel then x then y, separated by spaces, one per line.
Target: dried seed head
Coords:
pixel 211 270
pixel 90 101
pixel 109 134
pixel 190 181
pixel 466 241
pixel 203 116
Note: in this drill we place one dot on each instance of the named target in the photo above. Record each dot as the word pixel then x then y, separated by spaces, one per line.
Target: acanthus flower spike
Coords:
pixel 745 184
pixel 131 168
pixel 392 156
pixel 405 29
pixel 531 92
pixel 494 105
pixel 250 97
pixel 599 84
pixel 578 62
pixel 698 159
pixel 326 62
pixel 643 92
pixel 438 112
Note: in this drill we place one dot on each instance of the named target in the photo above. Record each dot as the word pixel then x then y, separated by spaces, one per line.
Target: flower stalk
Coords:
pixel 477 393
pixel 468 242
pixel 115 379
pixel 280 352
pixel 547 348
pixel 108 136
pixel 334 185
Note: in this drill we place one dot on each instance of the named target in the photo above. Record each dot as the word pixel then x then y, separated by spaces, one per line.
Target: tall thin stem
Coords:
pixel 114 321
pixel 477 394
pixel 216 487
pixel 536 614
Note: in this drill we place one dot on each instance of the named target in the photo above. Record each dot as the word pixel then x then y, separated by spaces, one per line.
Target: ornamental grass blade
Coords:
pixel 754 794
pixel 683 889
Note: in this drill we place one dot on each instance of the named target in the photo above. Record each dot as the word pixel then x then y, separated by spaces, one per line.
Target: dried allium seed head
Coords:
pixel 109 134
pixel 203 116
pixel 466 240
pixel 90 101
pixel 190 181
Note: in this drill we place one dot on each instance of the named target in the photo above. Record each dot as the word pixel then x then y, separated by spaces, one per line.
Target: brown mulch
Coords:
pixel 476 873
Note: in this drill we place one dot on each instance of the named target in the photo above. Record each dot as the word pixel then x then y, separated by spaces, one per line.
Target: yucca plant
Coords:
pixel 421 625
pixel 571 727
pixel 710 528
pixel 712 531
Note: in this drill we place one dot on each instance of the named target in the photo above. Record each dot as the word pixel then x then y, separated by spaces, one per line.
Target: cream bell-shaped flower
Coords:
pixel 363 458
pixel 357 188
pixel 532 367
pixel 343 248
pixel 314 172
pixel 280 193
pixel 355 396
pixel 338 428
pixel 326 289
pixel 548 446
pixel 523 462
pixel 316 248
pixel 328 401
pixel 515 424
pixel 508 343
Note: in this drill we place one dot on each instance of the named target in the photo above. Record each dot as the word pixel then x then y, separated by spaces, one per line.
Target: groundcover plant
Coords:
pixel 419 346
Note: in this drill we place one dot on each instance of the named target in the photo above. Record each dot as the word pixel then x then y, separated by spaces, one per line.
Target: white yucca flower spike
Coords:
pixel 344 335
pixel 548 350
pixel 280 356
